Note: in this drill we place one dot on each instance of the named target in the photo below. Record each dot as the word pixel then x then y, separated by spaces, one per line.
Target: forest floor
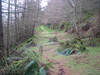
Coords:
pixel 49 53
pixel 45 39
pixel 87 63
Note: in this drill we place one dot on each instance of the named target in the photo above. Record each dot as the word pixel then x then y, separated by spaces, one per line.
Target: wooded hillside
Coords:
pixel 49 37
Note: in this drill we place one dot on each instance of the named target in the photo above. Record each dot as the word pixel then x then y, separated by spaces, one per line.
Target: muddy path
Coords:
pixel 49 53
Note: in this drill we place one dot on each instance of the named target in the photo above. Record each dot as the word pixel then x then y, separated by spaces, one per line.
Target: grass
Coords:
pixel 43 28
pixel 94 50
pixel 86 64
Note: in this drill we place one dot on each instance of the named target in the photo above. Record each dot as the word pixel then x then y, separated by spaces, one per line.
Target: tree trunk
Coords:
pixel 1 32
pixel 8 33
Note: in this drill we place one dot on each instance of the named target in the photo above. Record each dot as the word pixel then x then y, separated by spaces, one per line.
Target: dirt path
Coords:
pixel 58 64
pixel 67 65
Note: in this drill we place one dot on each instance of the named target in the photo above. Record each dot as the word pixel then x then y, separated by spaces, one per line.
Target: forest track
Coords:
pixel 50 52
pixel 58 64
